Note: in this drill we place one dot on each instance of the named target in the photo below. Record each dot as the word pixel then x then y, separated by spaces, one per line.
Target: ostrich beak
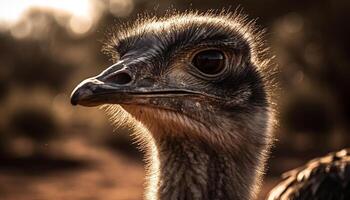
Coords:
pixel 108 87
pixel 117 85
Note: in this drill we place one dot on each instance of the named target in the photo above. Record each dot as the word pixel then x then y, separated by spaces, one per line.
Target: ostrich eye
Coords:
pixel 209 61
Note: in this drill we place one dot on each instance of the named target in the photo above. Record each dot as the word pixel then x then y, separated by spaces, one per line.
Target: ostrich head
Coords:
pixel 198 84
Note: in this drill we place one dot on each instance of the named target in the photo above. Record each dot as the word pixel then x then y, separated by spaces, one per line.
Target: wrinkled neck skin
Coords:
pixel 182 166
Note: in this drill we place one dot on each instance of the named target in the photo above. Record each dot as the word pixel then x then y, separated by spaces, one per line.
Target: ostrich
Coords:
pixel 196 86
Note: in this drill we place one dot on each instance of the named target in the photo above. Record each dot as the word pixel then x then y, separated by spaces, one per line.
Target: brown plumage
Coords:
pixel 326 178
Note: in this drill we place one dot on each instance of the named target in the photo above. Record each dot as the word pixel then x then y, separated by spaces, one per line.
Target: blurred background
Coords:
pixel 51 150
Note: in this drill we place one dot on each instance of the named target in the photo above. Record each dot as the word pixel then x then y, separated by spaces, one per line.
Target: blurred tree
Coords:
pixel 30 64
pixel 35 123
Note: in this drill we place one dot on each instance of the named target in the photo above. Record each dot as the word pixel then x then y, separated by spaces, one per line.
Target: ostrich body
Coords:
pixel 326 178
pixel 196 87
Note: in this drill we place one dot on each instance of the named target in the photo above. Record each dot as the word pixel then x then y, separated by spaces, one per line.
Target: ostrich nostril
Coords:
pixel 121 78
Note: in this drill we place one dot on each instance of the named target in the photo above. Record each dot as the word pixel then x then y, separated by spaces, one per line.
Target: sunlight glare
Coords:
pixel 81 12
pixel 77 16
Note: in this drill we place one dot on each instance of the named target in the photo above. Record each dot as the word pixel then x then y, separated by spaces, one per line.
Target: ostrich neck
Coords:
pixel 189 169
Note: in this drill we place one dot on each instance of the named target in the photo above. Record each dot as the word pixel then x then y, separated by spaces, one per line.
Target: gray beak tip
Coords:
pixel 81 92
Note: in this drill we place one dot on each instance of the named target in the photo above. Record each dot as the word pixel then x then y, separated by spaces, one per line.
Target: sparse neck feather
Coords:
pixel 184 168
